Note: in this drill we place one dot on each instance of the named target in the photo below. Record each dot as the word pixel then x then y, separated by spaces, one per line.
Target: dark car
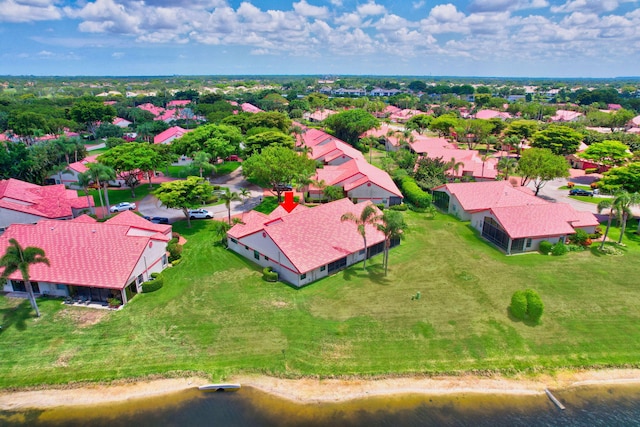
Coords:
pixel 282 187
pixel 580 192
pixel 157 219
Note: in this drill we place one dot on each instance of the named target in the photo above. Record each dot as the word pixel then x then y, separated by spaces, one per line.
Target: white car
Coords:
pixel 121 207
pixel 200 214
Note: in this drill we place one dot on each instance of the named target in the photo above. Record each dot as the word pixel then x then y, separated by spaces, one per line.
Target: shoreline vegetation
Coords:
pixel 316 391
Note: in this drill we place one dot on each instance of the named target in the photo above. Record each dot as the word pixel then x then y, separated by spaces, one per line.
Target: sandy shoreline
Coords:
pixel 309 390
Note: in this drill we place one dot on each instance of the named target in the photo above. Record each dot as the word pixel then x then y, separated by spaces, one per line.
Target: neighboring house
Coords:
pixel 566 116
pixel 334 152
pixel 423 144
pixel 635 122
pixel 384 92
pixel 318 115
pixel 25 203
pixel 470 162
pixel 492 114
pixel 120 122
pixel 359 181
pixel 510 217
pixel 306 244
pixel 177 103
pixel 89 259
pixel 169 135
pixel 69 177
pixel 403 116
pixel 156 111
pixel 250 108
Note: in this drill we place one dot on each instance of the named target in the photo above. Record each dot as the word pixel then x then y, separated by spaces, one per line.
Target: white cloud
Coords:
pixel 305 9
pixel 28 11
pixel 479 6
pixel 371 9
pixel 596 6
pixel 260 52
pixel 446 13
pixel 418 4
pixel 117 55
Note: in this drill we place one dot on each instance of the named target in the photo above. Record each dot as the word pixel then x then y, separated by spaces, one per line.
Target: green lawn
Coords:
pixel 117 195
pixel 222 169
pixel 215 315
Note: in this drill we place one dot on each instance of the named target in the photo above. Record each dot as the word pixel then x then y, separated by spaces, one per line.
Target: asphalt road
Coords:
pixel 151 206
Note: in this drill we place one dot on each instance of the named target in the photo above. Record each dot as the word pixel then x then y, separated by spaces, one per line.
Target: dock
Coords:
pixel 553 399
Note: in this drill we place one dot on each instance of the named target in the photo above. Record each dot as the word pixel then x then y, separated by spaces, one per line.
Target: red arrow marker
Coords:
pixel 288 203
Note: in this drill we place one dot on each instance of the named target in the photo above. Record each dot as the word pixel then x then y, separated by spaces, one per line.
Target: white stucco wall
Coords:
pixel 149 262
pixel 371 192
pixel 8 217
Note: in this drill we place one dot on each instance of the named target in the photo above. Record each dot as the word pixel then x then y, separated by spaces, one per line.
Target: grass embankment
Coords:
pixel 216 315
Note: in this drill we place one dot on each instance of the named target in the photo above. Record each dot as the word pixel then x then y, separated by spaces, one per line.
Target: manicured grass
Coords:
pixel 117 195
pixel 588 199
pixel 216 315
pixel 267 205
pixel 222 169
pixel 226 168
pixel 581 187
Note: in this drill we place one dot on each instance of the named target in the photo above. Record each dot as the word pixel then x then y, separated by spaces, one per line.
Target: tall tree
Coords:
pixel 217 140
pixel 350 124
pixel 620 207
pixel 368 217
pixel 90 111
pixel 184 194
pixel 560 139
pixel 622 178
pixel 130 160
pixel 201 161
pixel 393 227
pixel 608 152
pixel 276 166
pixel 84 179
pixel 18 258
pixel 540 165
pixel 507 165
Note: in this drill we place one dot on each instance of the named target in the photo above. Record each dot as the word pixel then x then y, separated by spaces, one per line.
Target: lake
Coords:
pixel 617 405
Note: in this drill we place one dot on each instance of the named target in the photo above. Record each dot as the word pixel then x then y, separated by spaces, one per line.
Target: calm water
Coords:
pixel 610 406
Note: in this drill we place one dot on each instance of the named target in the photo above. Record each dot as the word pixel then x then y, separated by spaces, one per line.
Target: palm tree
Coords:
pixel 455 166
pixel 619 207
pixel 18 258
pixel 507 165
pixel 101 175
pixel 393 227
pixel 227 197
pixel 486 156
pixel 244 193
pixel 368 216
pixel 84 179
pixel 201 161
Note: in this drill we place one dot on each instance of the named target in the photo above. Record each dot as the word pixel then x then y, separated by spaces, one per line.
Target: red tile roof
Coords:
pixel 171 133
pixel 51 201
pixel 81 166
pixel 551 219
pixel 80 252
pixel 310 238
pixel 423 144
pixel 477 196
pixel 250 108
pixel 131 219
pixel 492 114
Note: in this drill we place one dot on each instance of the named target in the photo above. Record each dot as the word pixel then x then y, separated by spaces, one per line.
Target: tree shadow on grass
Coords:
pixel 15 316
pixel 527 322
pixel 374 272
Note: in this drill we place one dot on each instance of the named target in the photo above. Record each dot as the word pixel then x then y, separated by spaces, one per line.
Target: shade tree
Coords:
pixel 540 165
pixel 184 194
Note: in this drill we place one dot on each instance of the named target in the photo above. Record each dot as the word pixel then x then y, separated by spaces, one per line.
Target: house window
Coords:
pixel 303 276
pixel 323 268
pixel 140 279
pixel 528 244
pixel 256 255
pixel 61 287
pixel 246 247
pixel 165 260
pixel 266 258
pixel 361 252
pixel 234 241
pixel 19 286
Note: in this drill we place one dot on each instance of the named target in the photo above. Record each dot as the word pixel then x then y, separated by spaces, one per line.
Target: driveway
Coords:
pixel 151 206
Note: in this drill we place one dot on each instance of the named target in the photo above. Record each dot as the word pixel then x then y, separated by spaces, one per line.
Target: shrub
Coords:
pixel 211 200
pixel 155 275
pixel 535 307
pixel 176 262
pixel 545 247
pixel 518 305
pixel 402 207
pixel 381 206
pixel 114 302
pixel 594 185
pixel 590 170
pixel 414 193
pixel 269 275
pixel 175 251
pixel 559 249
pixel 596 234
pixel 580 238
pixel 152 285
pixel 571 184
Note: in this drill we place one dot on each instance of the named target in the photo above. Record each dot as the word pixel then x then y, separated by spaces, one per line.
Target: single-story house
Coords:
pixel 492 114
pixel 566 116
pixel 512 218
pixel 169 135
pixel 470 162
pixel 25 203
pixel 306 244
pixel 89 259
pixel 120 122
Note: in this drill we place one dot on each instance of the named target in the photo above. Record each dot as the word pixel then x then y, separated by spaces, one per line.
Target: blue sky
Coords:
pixel 537 38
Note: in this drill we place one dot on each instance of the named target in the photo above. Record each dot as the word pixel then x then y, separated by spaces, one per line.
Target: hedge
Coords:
pixel 413 193
pixel 518 305
pixel 152 285
pixel 535 307
pixel 269 275
pixel 545 247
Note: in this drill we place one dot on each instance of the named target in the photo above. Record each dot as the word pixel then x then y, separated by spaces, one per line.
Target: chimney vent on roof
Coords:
pixel 93 231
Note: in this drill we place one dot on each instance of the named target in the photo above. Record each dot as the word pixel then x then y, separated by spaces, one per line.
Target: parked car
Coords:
pixel 233 158
pixel 580 192
pixel 282 187
pixel 200 214
pixel 124 206
pixel 157 219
